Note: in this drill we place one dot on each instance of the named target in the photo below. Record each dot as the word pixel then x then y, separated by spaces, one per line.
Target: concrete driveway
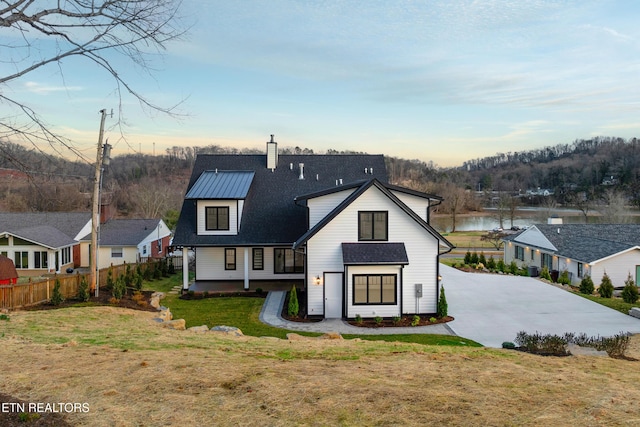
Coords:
pixel 491 309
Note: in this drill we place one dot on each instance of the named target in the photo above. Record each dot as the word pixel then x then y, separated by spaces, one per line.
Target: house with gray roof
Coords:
pixel 43 242
pixel 129 240
pixel 331 224
pixel 579 249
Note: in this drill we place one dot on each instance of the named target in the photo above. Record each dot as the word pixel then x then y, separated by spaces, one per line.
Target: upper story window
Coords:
pixel 217 217
pixel 373 225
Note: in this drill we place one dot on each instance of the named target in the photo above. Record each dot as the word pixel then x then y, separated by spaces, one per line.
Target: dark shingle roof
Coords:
pixel 589 242
pixel 125 232
pixel 270 214
pixel 51 229
pixel 221 185
pixel 374 253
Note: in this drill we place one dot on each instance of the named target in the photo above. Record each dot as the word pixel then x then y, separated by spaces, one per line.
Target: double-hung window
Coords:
pixel 217 218
pixel 373 225
pixel 230 259
pixel 40 259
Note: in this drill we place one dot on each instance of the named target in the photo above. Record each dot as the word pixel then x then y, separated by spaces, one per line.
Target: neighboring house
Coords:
pixel 129 240
pixel 358 245
pixel 8 273
pixel 40 243
pixel 580 249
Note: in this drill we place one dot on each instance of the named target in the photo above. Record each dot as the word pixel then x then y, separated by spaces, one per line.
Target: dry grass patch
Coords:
pixel 131 372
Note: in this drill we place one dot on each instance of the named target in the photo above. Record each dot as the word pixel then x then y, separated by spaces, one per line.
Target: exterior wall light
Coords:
pixel 317 281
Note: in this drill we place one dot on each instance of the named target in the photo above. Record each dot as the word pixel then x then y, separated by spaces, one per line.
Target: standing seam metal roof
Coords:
pixel 221 185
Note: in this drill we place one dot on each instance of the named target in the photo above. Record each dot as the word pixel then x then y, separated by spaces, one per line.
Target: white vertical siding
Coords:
pixel 233 217
pixel 325 252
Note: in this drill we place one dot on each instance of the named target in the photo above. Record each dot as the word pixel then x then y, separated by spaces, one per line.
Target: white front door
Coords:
pixel 333 295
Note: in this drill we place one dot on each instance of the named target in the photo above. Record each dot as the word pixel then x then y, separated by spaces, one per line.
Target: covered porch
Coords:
pixel 233 286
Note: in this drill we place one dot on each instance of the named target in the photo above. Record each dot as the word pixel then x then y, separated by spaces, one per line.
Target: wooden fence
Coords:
pixel 33 293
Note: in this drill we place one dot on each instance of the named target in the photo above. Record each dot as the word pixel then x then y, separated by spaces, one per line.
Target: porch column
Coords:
pixel 185 268
pixel 246 269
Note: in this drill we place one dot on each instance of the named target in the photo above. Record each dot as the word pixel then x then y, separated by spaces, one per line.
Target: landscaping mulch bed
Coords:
pixel 402 322
pixel 104 298
pixel 203 295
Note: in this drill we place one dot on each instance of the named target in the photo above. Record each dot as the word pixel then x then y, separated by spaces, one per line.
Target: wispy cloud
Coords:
pixel 45 89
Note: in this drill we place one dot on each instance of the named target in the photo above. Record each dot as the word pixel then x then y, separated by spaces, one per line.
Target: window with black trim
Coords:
pixel 230 259
pixel 41 259
pixel 216 218
pixel 519 253
pixel 373 225
pixel 580 270
pixel 258 258
pixel 21 259
pixel 116 252
pixel 287 261
pixel 378 289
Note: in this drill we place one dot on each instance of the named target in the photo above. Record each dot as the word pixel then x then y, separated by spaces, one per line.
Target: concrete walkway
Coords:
pixel 272 309
pixel 491 309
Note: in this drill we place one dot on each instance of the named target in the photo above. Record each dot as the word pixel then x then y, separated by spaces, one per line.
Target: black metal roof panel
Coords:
pixel 270 215
pixel 221 185
pixel 374 253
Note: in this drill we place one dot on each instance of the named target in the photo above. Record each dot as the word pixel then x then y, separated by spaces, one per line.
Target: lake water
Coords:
pixel 487 219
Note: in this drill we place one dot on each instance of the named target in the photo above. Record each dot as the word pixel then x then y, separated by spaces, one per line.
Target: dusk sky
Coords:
pixel 442 81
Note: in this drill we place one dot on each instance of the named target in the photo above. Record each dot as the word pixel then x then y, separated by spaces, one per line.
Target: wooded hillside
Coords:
pixel 601 170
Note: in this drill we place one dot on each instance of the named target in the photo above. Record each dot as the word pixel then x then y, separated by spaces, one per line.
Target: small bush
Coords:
pixel 137 296
pixel 396 320
pixel 544 273
pixel 293 308
pixel 513 267
pixel 443 307
pixel 83 290
pixel 630 291
pixel 415 320
pixel 378 320
pixel 137 282
pixel 358 319
pixel 586 285
pixel 56 296
pixel 606 287
pixel 491 263
pixel 553 345
pixel 563 279
pixel 467 258
pixel 119 288
pixel 113 300
pixel 508 345
pixel 474 257
pixel 433 320
pixel 481 259
pixel 500 266
pixel 259 291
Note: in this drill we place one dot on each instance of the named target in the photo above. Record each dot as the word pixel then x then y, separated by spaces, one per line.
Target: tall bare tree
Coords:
pixel 45 33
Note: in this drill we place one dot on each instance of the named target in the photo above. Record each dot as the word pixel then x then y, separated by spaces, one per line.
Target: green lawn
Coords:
pixel 244 312
pixel 614 303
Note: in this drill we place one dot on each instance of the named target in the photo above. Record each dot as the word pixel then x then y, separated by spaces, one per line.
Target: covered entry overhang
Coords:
pixel 373 278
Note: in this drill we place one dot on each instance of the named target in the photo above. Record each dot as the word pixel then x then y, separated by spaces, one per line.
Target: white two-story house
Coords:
pixel 330 223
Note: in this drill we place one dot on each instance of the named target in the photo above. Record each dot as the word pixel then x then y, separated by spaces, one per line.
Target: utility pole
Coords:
pixel 95 211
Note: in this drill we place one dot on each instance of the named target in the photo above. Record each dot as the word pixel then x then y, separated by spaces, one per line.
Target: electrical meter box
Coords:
pixel 419 290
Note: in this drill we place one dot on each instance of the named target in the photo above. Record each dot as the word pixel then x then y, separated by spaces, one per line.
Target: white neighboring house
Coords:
pixel 43 242
pixel 331 224
pixel 580 249
pixel 129 240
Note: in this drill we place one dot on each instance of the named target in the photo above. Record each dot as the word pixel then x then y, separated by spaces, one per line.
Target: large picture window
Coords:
pixel 288 261
pixel 217 217
pixel 21 259
pixel 379 289
pixel 372 225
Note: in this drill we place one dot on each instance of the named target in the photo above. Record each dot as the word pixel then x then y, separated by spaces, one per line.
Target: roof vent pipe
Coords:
pixel 301 170
pixel 366 171
pixel 340 181
pixel 272 154
pixel 371 171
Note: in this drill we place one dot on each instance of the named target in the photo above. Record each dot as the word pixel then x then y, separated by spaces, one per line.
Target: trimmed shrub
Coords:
pixel 606 287
pixel 630 291
pixel 500 266
pixel 474 257
pixel 137 282
pixel 293 308
pixel 586 285
pixel 467 258
pixel 563 279
pixel 482 259
pixel 415 321
pixel 513 267
pixel 56 296
pixel 119 288
pixel 491 263
pixel 443 307
pixel 83 290
pixel 544 273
